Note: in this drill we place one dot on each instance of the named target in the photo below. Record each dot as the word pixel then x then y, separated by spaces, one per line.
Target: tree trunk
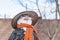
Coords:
pixel 57 9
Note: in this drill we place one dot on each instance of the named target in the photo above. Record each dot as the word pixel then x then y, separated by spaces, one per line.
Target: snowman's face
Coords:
pixel 25 19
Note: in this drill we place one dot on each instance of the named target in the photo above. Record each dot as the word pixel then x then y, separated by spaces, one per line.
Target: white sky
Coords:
pixel 12 7
pixel 9 8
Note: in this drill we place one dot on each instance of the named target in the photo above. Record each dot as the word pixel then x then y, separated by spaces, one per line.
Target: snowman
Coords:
pixel 26 20
pixel 23 23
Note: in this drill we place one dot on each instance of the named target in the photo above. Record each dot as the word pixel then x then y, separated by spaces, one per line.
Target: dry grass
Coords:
pixel 41 27
pixel 6 29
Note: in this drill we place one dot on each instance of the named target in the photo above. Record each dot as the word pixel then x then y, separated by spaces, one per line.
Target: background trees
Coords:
pixel 43 13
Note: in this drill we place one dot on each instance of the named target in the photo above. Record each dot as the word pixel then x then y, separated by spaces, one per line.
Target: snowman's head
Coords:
pixel 25 19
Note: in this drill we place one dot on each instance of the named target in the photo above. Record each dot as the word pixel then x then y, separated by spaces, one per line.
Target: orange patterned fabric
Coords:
pixel 29 31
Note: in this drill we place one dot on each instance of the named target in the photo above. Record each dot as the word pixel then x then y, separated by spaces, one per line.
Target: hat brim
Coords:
pixel 32 14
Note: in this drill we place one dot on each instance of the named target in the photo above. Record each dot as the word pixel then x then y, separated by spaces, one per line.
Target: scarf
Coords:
pixel 29 31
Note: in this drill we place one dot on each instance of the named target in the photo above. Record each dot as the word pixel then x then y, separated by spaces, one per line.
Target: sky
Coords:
pixel 10 8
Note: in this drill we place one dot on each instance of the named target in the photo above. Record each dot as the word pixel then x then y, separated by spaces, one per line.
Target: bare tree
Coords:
pixel 21 3
pixel 48 33
pixel 53 35
pixel 57 8
pixel 5 16
pixel 37 5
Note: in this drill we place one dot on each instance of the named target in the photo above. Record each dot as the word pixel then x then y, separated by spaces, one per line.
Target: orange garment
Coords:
pixel 29 31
